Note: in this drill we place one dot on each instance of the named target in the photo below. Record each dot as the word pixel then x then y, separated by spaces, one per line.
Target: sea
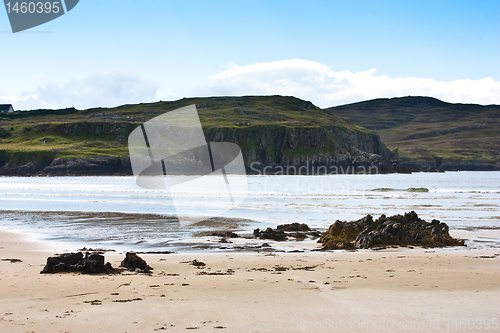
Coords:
pixel 115 213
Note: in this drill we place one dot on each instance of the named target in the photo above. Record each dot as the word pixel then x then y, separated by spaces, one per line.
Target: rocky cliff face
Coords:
pixel 99 166
pixel 117 129
pixel 273 149
pixel 266 149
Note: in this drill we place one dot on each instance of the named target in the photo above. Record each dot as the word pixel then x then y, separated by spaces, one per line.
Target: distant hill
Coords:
pixel 271 130
pixel 430 129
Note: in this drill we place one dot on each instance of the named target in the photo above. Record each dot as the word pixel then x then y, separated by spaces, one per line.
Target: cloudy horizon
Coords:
pixel 307 80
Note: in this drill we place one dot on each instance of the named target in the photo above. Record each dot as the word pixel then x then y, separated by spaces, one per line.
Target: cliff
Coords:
pixel 277 134
pixel 285 150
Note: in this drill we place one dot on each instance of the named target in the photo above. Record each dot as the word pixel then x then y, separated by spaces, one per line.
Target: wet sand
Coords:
pixel 393 290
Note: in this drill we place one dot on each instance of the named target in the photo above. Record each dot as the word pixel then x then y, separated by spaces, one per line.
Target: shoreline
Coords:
pixel 101 165
pixel 201 240
pixel 250 292
pixel 277 173
pixel 475 239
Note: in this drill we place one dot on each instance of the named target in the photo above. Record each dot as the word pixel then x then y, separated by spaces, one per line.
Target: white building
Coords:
pixel 6 108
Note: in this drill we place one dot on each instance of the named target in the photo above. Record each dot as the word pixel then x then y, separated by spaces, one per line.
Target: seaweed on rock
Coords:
pixel 407 230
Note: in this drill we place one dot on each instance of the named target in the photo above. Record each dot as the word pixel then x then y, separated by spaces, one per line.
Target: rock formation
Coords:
pixel 225 234
pixel 407 230
pixel 134 263
pixel 92 263
pixel 284 231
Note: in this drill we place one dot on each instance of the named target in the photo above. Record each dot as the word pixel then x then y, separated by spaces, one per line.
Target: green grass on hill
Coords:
pixel 419 127
pixel 31 133
pixel 424 127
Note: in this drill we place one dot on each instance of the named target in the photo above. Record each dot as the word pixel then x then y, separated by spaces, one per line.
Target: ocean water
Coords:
pixel 115 212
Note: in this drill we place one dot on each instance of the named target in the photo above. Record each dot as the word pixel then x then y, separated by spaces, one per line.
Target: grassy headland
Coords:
pixel 427 128
pixel 274 129
pixel 70 133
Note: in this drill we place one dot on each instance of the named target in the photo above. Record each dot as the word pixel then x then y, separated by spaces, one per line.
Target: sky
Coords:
pixel 106 53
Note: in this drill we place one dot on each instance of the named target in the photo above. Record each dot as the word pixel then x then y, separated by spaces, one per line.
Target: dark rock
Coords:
pixel 63 263
pixel 108 267
pixel 27 169
pixel 133 263
pixel 293 227
pixel 269 233
pixel 12 260
pixel 226 234
pixel 198 263
pixel 341 235
pixel 101 165
pixel 298 235
pixel 9 169
pixel 407 230
pixel 100 251
pixel 299 231
pixel 154 252
pixel 92 263
pixel 315 234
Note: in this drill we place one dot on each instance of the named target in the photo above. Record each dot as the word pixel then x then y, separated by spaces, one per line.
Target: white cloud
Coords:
pixel 100 89
pixel 324 87
pixel 11 99
pixel 269 67
pixel 305 79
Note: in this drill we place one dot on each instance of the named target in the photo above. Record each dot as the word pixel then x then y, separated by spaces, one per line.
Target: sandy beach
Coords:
pixel 393 290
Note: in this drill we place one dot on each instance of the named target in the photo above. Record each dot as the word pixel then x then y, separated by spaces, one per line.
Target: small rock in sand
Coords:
pixel 134 263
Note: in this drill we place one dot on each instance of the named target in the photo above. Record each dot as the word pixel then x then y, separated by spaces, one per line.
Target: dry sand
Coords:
pixel 366 291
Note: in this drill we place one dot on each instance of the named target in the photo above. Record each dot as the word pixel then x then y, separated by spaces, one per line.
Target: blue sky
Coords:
pixel 113 52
